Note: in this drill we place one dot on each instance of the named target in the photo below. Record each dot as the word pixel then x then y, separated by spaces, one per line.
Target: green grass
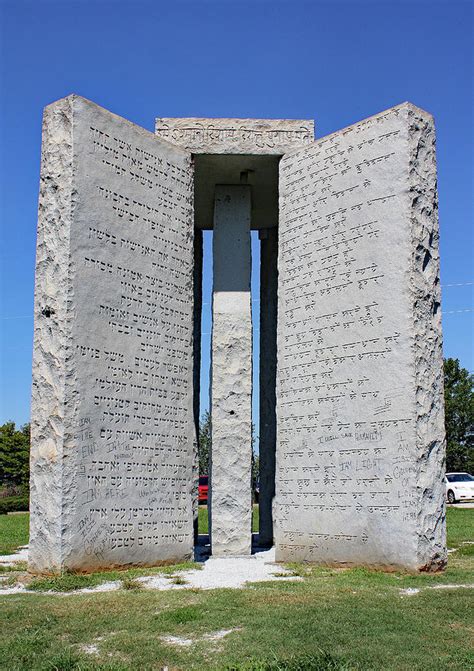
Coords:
pixel 203 527
pixel 319 662
pixel 131 583
pixel 13 532
pixel 459 524
pixel 332 620
pixel 72 581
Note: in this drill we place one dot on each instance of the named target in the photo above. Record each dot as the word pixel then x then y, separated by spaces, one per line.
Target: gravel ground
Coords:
pixel 230 572
pixel 11 560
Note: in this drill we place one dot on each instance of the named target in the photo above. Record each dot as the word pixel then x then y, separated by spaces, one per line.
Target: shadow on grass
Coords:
pixel 321 662
pixel 70 661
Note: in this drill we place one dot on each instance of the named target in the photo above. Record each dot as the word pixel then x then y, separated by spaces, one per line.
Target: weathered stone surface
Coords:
pixel 231 375
pixel 236 136
pixel 360 443
pixel 112 407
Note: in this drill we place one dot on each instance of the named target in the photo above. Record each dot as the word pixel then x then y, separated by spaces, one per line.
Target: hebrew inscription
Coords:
pixel 112 428
pixel 360 448
pixel 236 136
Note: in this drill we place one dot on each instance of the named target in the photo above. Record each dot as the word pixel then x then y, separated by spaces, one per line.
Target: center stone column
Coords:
pixel 231 376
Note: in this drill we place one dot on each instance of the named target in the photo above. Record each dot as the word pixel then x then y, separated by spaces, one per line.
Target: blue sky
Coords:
pixel 336 62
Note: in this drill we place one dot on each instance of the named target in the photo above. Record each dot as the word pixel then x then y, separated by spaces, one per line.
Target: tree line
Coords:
pixel 459 421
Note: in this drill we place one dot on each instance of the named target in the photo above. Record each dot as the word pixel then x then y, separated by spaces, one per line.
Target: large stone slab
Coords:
pixel 359 389
pixel 236 136
pixel 231 375
pixel 112 415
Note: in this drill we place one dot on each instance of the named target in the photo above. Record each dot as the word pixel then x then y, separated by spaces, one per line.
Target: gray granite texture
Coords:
pixel 112 415
pixel 236 136
pixel 231 375
pixel 360 423
pixel 360 437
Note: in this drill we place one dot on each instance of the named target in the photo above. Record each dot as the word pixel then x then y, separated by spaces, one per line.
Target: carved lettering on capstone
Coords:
pixel 347 459
pixel 227 136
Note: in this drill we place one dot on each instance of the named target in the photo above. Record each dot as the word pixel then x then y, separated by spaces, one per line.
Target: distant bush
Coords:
pixel 12 490
pixel 459 416
pixel 14 457
pixel 13 504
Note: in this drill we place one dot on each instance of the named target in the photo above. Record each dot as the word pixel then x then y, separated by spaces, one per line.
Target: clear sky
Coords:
pixel 336 62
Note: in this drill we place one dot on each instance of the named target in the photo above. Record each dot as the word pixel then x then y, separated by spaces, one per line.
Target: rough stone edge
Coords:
pixel 425 292
pixel 227 324
pixel 51 335
pixel 144 131
pixel 354 125
pixel 228 332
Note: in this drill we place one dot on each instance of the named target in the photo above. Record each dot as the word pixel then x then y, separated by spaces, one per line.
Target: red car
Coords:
pixel 203 489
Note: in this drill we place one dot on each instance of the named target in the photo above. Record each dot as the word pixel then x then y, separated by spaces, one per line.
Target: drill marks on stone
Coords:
pixel 129 417
pixel 347 455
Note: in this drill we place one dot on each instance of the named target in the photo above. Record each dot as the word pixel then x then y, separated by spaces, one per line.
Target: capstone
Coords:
pixel 236 136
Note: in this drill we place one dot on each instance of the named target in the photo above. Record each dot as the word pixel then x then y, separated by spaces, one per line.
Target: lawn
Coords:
pixel 203 520
pixel 333 619
pixel 13 532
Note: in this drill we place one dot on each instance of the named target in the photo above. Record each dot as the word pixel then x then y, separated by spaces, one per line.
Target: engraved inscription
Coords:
pixel 131 343
pixel 345 457
pixel 227 136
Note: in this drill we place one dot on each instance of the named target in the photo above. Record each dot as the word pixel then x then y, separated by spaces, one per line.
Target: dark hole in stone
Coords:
pixel 47 311
pixel 232 412
pixel 426 259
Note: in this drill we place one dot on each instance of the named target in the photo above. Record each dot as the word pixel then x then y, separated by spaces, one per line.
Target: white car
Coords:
pixel 459 487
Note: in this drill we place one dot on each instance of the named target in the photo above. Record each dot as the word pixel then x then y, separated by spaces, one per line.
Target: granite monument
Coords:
pixel 351 423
